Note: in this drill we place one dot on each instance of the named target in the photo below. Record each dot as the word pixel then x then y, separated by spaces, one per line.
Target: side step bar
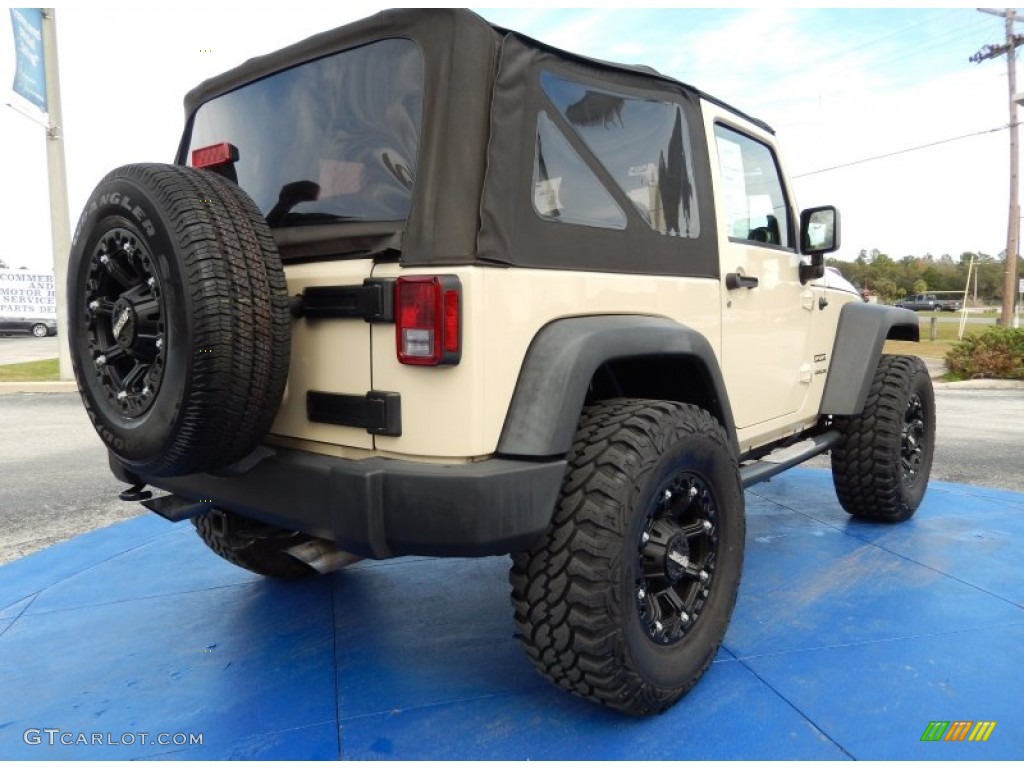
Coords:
pixel 783 458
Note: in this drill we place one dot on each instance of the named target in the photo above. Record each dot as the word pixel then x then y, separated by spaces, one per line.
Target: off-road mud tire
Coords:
pixel 178 319
pixel 881 466
pixel 579 610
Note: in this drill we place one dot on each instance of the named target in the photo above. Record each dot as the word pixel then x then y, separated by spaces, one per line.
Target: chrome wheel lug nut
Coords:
pixel 101 360
pixel 703 576
pixel 122 395
pixel 707 525
pixel 684 617
pixel 657 626
pixel 645 537
pixel 94 305
pixel 667 495
pixel 641 593
pixel 104 259
pixel 693 491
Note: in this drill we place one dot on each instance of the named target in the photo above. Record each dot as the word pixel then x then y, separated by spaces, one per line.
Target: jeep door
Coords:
pixel 767 312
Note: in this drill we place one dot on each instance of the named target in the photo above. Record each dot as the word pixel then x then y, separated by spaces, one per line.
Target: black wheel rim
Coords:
pixel 677 557
pixel 125 323
pixel 912 443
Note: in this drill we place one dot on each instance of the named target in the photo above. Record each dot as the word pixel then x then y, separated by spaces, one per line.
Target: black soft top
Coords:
pixel 476 152
pixel 437 24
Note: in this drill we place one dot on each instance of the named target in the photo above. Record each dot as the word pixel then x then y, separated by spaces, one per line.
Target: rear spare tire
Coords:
pixel 178 319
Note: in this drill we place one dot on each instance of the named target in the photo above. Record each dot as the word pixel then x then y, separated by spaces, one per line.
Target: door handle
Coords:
pixel 735 280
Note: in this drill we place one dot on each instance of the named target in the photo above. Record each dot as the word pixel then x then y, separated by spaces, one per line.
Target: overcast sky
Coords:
pixel 839 86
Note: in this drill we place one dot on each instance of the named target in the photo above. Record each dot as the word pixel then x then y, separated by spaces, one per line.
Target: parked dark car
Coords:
pixel 37 326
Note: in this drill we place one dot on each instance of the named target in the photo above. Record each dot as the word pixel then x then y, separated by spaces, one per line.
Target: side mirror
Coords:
pixel 819 234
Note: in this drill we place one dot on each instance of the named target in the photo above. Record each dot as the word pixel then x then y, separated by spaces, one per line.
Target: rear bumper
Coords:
pixel 384 507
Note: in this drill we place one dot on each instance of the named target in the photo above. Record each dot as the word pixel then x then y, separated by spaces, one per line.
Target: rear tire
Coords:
pixel 257 547
pixel 881 466
pixel 626 599
pixel 40 331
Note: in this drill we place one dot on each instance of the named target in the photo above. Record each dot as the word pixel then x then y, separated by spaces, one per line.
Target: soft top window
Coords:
pixel 330 140
pixel 643 143
pixel 564 188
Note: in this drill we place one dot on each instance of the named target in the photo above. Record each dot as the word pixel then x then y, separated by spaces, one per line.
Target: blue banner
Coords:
pixel 29 75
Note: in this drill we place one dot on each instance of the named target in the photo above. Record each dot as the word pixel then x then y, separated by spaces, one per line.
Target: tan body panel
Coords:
pixel 460 411
pixel 327 356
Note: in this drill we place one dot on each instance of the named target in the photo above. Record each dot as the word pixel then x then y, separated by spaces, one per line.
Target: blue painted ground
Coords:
pixel 847 641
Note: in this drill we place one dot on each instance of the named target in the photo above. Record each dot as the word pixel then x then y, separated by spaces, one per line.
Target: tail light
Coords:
pixel 428 319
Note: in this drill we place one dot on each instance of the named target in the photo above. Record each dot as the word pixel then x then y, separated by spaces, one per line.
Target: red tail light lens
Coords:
pixel 215 154
pixel 451 321
pixel 428 320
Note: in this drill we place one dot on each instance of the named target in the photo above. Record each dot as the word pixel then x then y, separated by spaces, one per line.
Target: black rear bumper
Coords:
pixel 384 507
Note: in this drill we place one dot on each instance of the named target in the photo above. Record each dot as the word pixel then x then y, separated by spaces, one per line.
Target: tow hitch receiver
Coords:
pixel 135 493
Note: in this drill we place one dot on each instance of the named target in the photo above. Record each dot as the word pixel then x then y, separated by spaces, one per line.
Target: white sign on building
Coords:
pixel 27 294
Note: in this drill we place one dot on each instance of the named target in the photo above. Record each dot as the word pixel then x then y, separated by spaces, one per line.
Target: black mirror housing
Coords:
pixel 819 234
pixel 819 230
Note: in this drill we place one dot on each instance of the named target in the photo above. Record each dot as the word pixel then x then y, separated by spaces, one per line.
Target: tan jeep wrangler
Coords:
pixel 425 286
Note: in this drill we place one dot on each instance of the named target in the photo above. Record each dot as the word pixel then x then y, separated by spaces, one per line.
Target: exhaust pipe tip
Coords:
pixel 322 555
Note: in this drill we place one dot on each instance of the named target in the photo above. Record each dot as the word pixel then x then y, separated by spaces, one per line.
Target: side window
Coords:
pixel 643 143
pixel 755 204
pixel 564 188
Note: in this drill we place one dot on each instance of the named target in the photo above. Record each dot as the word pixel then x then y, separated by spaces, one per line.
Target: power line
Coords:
pixel 834 55
pixel 943 39
pixel 901 151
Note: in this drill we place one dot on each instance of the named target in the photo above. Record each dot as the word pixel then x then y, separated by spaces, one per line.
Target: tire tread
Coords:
pixel 566 619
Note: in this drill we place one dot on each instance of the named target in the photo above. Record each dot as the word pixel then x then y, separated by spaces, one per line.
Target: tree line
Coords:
pixel 891 279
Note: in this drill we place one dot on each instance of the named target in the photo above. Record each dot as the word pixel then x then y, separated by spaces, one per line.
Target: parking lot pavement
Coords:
pixel 25 349
pixel 54 478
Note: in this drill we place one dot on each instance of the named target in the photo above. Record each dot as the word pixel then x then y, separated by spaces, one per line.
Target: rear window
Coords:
pixel 330 140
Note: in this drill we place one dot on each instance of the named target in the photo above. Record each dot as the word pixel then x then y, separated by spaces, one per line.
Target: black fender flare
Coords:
pixel 561 361
pixel 862 330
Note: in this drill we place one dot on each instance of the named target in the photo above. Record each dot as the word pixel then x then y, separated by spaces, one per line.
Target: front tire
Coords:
pixel 627 598
pixel 40 331
pixel 881 466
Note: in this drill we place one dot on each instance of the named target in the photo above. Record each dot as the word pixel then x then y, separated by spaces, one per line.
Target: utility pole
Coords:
pixel 60 229
pixel 1013 226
